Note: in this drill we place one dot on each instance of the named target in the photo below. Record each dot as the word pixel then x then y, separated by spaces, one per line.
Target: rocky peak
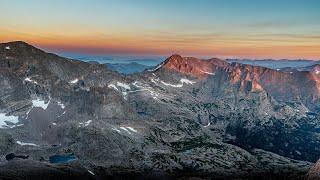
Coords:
pixel 175 58
pixel 316 69
pixel 193 66
pixel 19 49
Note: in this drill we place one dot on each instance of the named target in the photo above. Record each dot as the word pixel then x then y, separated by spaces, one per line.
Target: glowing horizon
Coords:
pixel 237 29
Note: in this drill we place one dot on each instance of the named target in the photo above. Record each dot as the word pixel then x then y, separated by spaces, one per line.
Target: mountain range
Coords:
pixel 184 118
pixel 131 66
pixel 127 68
pixel 277 64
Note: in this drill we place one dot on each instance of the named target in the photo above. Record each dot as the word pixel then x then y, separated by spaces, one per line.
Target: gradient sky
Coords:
pixel 222 28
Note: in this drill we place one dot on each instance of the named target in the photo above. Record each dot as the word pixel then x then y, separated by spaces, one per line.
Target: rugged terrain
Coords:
pixel 184 118
pixel 277 64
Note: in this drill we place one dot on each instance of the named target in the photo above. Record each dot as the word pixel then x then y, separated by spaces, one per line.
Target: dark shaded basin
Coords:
pixel 11 156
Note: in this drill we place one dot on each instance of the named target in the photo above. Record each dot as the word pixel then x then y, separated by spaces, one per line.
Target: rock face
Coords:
pixel 185 118
pixel 284 86
pixel 193 66
pixel 314 173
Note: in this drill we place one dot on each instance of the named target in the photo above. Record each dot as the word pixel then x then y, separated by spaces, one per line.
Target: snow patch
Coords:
pixel 128 129
pixel 30 80
pixel 61 105
pixel 74 81
pixel 207 124
pixel 54 124
pixel 123 88
pixel 4 120
pixel 138 84
pixel 18 125
pixel 172 85
pixel 91 172
pixel 143 88
pixel 116 129
pixel 154 94
pixel 132 129
pixel 86 123
pixel 182 81
pixel 8 47
pixel 125 129
pixel 124 93
pixel 40 103
pixel 154 81
pixel 206 72
pixel 113 86
pixel 186 81
pixel 26 144
pixel 123 85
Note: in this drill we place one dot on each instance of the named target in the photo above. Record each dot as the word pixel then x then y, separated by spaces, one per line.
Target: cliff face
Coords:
pixel 302 86
pixel 193 66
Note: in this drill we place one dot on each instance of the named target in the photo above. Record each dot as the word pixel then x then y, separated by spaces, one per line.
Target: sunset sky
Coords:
pixel 222 28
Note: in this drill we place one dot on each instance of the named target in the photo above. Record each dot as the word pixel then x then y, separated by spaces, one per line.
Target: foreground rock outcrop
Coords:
pixel 314 172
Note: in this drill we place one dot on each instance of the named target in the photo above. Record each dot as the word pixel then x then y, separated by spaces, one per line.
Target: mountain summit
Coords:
pixel 19 49
pixel 193 66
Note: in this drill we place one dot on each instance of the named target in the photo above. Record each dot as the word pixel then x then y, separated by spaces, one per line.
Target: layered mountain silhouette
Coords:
pixel 127 68
pixel 184 118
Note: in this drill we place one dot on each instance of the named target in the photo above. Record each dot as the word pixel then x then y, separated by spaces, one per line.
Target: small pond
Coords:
pixel 62 158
